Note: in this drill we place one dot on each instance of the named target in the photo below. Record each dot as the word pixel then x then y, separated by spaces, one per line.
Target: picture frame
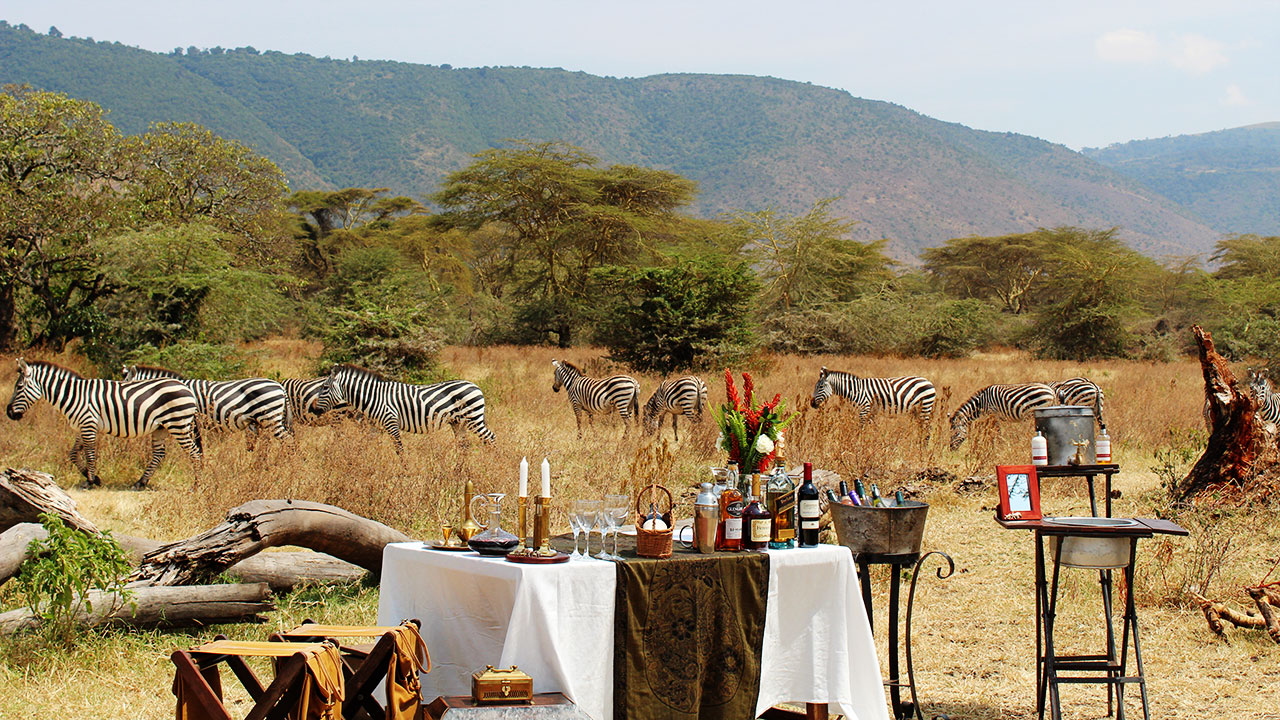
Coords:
pixel 1019 492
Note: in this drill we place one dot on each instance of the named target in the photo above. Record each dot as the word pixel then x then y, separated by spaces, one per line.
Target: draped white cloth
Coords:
pixel 556 623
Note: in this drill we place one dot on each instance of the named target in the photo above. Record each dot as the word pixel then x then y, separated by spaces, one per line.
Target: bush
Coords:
pixel 207 361
pixel 695 314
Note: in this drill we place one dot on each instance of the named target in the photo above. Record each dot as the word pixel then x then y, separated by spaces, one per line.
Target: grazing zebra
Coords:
pixel 246 405
pixel 158 408
pixel 1010 402
pixel 303 398
pixel 1268 402
pixel 592 396
pixel 685 396
pixel 401 407
pixel 895 394
pixel 1080 391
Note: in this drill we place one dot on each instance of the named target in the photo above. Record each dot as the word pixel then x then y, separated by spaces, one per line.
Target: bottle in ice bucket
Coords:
pixel 876 499
pixel 807 497
pixel 1040 450
pixel 756 519
pixel 1103 448
pixel 781 495
pixel 861 492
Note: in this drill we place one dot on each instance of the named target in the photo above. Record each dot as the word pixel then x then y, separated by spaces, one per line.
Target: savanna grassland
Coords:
pixel 974 633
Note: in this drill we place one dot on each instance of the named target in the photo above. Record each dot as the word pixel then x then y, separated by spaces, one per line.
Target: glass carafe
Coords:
pixel 493 540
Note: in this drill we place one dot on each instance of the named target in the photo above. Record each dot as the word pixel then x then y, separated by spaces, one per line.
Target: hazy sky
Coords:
pixel 1085 73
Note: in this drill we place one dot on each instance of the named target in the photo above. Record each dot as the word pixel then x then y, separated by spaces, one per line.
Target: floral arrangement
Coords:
pixel 749 434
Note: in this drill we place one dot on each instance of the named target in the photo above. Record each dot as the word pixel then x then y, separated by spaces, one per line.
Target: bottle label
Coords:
pixel 735 508
pixel 782 503
pixel 760 531
pixel 808 524
pixel 733 528
pixel 809 509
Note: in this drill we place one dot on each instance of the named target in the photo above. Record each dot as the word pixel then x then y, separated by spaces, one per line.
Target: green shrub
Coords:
pixel 207 361
pixel 60 571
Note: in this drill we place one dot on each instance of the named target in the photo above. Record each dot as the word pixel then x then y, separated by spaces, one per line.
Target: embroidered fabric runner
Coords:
pixel 688 632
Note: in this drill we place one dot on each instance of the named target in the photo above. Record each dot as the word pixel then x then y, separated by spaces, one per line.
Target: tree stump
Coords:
pixel 1240 449
pixel 25 494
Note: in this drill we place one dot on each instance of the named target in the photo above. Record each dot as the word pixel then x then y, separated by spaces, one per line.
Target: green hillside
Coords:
pixel 750 142
pixel 1230 178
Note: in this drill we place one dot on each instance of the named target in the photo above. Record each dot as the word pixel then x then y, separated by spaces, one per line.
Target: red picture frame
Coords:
pixel 1023 503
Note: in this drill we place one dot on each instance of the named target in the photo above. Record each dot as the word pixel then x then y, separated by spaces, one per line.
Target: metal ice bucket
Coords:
pixel 1063 424
pixel 879 530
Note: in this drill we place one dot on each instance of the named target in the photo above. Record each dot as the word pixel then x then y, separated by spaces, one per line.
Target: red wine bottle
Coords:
pixel 807 495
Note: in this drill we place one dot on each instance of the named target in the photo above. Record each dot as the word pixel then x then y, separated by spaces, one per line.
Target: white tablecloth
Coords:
pixel 556 623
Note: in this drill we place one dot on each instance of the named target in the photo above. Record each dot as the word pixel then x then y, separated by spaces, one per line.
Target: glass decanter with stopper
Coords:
pixel 493 540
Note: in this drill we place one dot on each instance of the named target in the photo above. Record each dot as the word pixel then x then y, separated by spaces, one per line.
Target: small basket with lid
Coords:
pixel 654 501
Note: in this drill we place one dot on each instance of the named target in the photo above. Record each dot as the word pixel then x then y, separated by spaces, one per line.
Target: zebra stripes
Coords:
pixel 1008 402
pixel 685 396
pixel 594 396
pixel 94 407
pixel 1268 402
pixel 401 407
pixel 246 405
pixel 894 394
pixel 1080 391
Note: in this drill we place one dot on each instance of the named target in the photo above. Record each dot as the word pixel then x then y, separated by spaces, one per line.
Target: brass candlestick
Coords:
pixel 522 510
pixel 541 526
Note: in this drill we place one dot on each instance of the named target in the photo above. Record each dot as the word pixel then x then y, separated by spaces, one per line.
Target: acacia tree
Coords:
pixel 329 220
pixel 807 260
pixel 563 217
pixel 59 188
pixel 1009 268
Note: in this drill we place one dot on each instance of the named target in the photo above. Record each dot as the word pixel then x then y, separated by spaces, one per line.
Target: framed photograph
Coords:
pixel 1019 492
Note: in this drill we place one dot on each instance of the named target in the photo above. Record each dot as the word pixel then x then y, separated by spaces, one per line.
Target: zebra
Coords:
pixel 1268 402
pixel 592 396
pixel 894 394
pixel 1080 391
pixel 246 405
pixel 1010 402
pixel 158 408
pixel 303 397
pixel 685 396
pixel 401 407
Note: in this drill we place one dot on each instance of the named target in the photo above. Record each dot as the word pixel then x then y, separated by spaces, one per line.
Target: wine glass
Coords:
pixel 446 531
pixel 603 525
pixel 617 507
pixel 588 512
pixel 578 522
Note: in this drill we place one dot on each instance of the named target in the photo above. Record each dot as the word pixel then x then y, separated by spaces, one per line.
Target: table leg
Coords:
pixel 1093 500
pixel 864 579
pixel 815 711
pixel 1050 659
pixel 895 691
pixel 1104 581
pixel 1108 476
pixel 1040 610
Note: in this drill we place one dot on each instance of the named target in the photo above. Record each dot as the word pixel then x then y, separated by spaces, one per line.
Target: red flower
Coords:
pixel 773 403
pixel 731 392
pixel 748 386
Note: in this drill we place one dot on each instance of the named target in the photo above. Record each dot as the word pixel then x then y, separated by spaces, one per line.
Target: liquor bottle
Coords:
pixel 757 519
pixel 831 497
pixel 807 497
pixel 899 498
pixel 733 481
pixel 781 499
pixel 862 492
pixel 731 506
pixel 844 494
pixel 1039 450
pixel 876 499
pixel 1102 448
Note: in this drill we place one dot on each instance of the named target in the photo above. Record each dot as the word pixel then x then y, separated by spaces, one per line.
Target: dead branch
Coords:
pixel 1270 617
pixel 162 607
pixel 261 524
pixel 25 494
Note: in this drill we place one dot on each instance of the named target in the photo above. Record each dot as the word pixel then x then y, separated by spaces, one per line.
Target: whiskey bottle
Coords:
pixel 731 506
pixel 781 497
pixel 757 519
pixel 807 497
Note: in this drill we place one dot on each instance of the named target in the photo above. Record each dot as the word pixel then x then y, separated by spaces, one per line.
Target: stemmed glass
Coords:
pixel 588 512
pixel 580 520
pixel 616 508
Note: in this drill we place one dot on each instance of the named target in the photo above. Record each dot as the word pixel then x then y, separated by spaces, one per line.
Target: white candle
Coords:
pixel 524 477
pixel 546 478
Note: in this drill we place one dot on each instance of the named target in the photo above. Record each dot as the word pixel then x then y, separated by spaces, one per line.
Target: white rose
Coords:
pixel 764 445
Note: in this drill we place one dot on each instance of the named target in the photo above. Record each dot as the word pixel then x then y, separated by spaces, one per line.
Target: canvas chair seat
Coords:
pixel 309 682
pixel 397 656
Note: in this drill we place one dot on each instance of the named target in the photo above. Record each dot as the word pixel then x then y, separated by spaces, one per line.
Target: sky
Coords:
pixel 1083 74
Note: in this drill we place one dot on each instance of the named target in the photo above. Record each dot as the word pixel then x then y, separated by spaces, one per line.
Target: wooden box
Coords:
pixel 492 686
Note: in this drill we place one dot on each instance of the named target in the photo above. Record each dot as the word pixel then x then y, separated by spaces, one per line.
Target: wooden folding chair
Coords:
pixel 308 680
pixel 396 656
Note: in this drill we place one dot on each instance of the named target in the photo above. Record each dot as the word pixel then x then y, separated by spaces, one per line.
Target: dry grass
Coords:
pixel 974 632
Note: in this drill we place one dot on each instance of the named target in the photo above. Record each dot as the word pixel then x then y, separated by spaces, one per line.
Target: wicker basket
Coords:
pixel 654 543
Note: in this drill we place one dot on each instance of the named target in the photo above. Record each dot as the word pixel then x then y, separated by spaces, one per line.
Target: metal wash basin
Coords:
pixel 1099 553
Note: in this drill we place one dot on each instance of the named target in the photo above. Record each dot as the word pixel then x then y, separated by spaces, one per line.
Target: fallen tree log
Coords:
pixel 162 607
pixel 1239 448
pixel 1270 616
pixel 25 494
pixel 261 524
pixel 282 571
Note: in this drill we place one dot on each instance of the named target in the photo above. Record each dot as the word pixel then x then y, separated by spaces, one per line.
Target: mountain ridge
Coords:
pixel 749 141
